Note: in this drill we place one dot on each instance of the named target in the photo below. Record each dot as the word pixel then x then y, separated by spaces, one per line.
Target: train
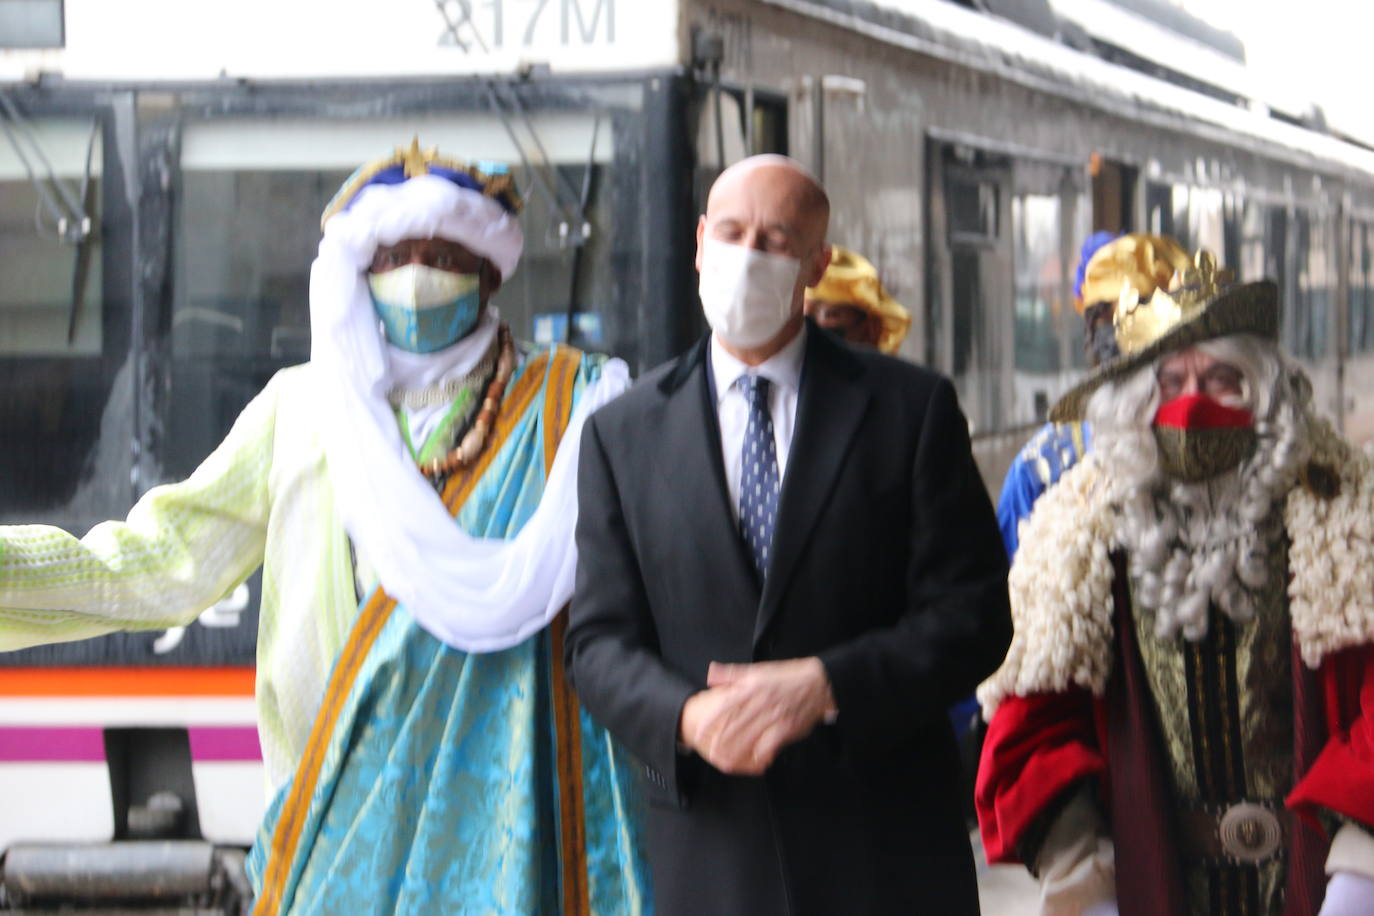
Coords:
pixel 165 167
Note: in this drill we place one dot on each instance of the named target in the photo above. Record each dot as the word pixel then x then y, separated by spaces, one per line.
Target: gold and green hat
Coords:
pixel 851 279
pixel 1201 303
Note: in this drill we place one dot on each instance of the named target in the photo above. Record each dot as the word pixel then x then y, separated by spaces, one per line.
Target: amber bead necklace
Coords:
pixel 475 438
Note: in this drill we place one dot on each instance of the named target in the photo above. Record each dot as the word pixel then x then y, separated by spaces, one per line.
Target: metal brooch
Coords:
pixel 1250 833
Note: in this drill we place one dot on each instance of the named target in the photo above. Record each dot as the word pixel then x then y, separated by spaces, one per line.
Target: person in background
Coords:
pixel 1184 724
pixel 410 494
pixel 788 569
pixel 850 302
pixel 1146 262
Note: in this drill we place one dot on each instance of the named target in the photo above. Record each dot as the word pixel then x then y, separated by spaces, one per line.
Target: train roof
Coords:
pixel 960 36
pixel 419 39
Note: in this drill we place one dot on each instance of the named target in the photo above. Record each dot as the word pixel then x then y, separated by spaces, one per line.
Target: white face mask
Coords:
pixel 746 294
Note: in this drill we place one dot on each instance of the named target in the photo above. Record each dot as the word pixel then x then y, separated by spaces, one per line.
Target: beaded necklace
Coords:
pixel 475 438
pixel 444 392
pixel 453 422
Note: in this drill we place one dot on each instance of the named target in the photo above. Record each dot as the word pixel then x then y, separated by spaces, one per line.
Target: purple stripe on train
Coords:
pixel 223 743
pixel 27 744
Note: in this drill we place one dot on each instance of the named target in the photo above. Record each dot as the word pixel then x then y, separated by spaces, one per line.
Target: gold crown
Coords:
pixel 1138 324
pixel 1146 262
pixel 853 280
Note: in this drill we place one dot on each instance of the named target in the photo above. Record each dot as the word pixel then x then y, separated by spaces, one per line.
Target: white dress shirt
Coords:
pixel 783 370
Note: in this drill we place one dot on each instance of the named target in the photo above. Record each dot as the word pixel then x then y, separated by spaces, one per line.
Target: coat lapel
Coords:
pixel 693 474
pixel 830 407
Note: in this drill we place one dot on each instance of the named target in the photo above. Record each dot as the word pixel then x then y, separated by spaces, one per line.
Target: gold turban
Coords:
pixel 1142 262
pixel 852 280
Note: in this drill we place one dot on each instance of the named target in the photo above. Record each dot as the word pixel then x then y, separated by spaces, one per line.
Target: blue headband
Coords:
pixel 1094 242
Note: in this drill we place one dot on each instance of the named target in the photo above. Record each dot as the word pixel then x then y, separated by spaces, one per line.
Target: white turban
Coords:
pixel 476 594
pixel 427 207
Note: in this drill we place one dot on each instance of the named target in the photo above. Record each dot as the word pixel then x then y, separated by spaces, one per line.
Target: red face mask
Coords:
pixel 1199 438
pixel 1197 411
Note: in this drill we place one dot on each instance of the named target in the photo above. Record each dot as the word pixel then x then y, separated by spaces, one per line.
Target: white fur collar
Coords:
pixel 1061 582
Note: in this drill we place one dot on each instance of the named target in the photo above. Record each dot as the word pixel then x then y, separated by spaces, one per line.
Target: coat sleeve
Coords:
pixel 1020 489
pixel 1341 779
pixel 182 548
pixel 1038 748
pixel 955 626
pixel 612 645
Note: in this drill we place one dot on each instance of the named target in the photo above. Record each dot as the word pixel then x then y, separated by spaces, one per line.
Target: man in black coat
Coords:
pixel 775 623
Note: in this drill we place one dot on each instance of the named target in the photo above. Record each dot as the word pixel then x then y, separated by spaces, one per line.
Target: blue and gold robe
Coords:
pixel 437 781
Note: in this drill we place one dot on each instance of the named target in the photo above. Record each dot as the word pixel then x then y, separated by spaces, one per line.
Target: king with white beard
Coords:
pixel 1184 723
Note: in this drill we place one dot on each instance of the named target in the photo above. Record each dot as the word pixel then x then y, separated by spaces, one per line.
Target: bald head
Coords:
pixel 777 190
pixel 793 188
pixel 770 203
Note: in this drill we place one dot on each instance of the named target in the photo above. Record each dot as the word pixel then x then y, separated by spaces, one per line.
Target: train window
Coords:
pixel 717 149
pixel 970 310
pixel 1297 319
pixel 1310 304
pixel 1159 209
pixel 1206 215
pixel 248 212
pixel 974 267
pixel 1250 265
pixel 66 415
pixel 1083 223
pixel 1361 287
pixel 247 226
pixel 1278 246
pixel 1232 233
pixel 751 122
pixel 1320 284
pixel 972 208
pixel 1195 216
pixel 42 313
pixel 1182 218
pixel 1040 303
pixel 769 128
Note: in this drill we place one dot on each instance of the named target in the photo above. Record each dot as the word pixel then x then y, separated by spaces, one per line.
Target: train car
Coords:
pixel 969 155
pixel 165 166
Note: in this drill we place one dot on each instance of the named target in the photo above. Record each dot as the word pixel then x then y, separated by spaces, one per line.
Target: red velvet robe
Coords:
pixel 1039 746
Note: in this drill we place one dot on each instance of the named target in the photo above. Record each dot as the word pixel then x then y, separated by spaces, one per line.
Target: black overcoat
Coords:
pixel 887 564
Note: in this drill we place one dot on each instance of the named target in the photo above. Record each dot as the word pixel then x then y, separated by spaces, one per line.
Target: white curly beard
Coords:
pixel 1061 581
pixel 1213 542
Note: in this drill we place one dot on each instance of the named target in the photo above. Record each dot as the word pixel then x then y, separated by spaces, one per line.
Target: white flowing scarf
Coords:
pixel 476 594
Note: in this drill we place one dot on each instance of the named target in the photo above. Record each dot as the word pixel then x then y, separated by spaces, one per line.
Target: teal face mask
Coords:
pixel 424 309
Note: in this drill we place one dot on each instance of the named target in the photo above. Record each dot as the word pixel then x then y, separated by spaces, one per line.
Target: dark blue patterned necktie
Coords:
pixel 758 482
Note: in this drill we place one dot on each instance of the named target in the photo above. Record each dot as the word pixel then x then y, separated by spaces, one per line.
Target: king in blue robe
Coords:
pixel 438 779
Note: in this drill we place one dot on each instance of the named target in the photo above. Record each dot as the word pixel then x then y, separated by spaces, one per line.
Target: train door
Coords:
pixel 1357 345
pixel 1309 305
pixel 728 123
pixel 1113 194
pixel 1050 216
pixel 970 279
pixel 874 178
